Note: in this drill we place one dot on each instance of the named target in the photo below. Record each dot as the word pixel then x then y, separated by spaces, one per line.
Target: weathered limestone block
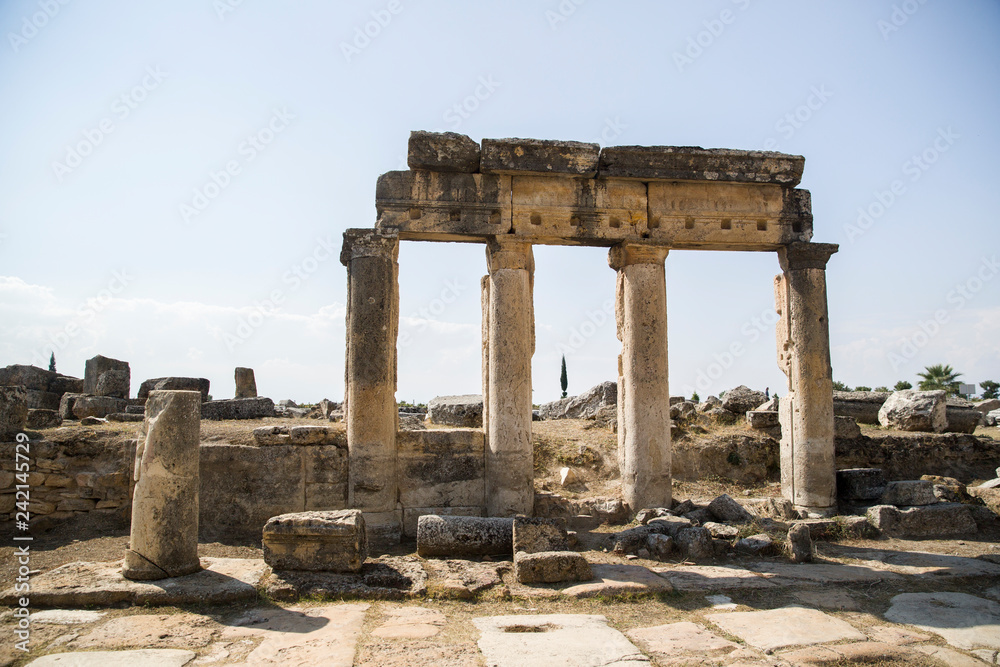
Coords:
pixel 509 455
pixel 238 408
pixel 316 541
pixel 97 406
pixel 643 392
pixel 860 484
pixel 463 536
pixel 987 406
pixel 164 537
pixel 13 412
pixel 98 366
pixel 761 419
pixel 175 384
pixel 516 156
pixel 585 406
pixel 570 210
pixel 441 468
pixel 694 163
pixel 114 383
pixel 549 567
pixel 465 411
pixel 42 400
pixel 442 151
pixel 43 419
pixel 62 384
pixel 28 377
pixel 912 410
pixel 845 428
pixel 962 416
pixel 808 471
pixel 910 492
pixel 726 509
pixel 863 406
pixel 411 515
pixel 443 206
pixel 742 399
pixel 370 403
pixel 941 520
pixel 534 535
pixel 246 384
pixel 800 544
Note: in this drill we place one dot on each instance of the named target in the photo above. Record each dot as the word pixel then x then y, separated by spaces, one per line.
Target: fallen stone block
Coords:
pixel 862 406
pixel 97 406
pixel 860 483
pixel 757 545
pixel 238 408
pixel 759 419
pixel 962 416
pixel 465 411
pixel 941 520
pixel 845 428
pixel 695 543
pixel 742 399
pixel 463 536
pixel 912 410
pixel 442 151
pixel 175 384
pixel 800 544
pixel 332 541
pixel 549 567
pixel 98 366
pixel 43 419
pixel 909 492
pixel 66 404
pixel 124 417
pixel 520 156
pixel 726 509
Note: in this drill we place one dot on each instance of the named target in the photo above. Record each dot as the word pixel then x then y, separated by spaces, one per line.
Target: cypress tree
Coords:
pixel 563 381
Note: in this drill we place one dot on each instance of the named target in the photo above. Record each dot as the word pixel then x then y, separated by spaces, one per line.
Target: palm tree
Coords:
pixel 940 377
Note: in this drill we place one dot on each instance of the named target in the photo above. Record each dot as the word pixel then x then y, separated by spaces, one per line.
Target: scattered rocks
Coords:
pixel 756 545
pixel 742 399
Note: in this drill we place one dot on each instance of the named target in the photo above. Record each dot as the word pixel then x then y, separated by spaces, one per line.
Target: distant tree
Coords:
pixel 940 376
pixel 563 379
pixel 882 388
pixel 52 362
pixel 861 387
pixel 991 389
pixel 840 386
pixel 903 385
pixel 695 398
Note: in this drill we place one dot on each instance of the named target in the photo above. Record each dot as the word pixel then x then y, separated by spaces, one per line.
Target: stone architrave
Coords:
pixel 246 385
pixel 164 537
pixel 808 470
pixel 643 392
pixel 370 401
pixel 509 459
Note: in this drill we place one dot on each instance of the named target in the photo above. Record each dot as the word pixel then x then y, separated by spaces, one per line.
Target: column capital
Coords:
pixel 624 254
pixel 368 243
pixel 504 253
pixel 796 256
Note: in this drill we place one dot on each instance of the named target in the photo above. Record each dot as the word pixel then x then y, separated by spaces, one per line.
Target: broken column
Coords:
pixel 509 459
pixel 164 537
pixel 370 400
pixel 643 392
pixel 246 385
pixel 808 470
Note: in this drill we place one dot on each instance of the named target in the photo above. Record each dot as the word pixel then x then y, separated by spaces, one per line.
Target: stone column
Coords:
pixel 509 459
pixel 164 536
pixel 808 466
pixel 370 394
pixel 643 392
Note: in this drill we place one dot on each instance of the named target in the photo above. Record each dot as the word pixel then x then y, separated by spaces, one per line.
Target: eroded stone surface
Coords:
pixel 410 623
pixel 144 657
pixel 332 541
pixel 965 621
pixel 183 631
pixel 551 640
pixel 619 579
pixel 667 643
pixel 712 577
pixel 789 626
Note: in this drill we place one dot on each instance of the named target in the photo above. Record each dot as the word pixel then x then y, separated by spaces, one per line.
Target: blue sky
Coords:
pixel 175 179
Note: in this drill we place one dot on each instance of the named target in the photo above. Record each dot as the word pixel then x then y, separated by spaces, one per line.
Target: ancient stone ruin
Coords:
pixel 640 202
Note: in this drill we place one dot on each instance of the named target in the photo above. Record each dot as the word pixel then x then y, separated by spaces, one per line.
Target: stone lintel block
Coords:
pixel 333 541
pixel 442 151
pixel 587 209
pixel 411 515
pixel 442 206
pixel 97 406
pixel 714 215
pixel 316 435
pixel 694 163
pixel 517 156
pixel 549 567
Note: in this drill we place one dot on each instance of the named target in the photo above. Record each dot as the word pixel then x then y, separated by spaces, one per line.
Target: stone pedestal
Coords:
pixel 511 322
pixel 808 470
pixel 246 384
pixel 370 400
pixel 164 537
pixel 643 392
pixel 332 541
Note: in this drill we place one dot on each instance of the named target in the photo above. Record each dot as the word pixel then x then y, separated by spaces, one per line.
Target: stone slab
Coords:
pixel 712 577
pixel 694 163
pixel 178 631
pixel 66 616
pixel 965 621
pixel 410 623
pixel 554 640
pixel 672 641
pixel 820 574
pixel 788 626
pixel 144 657
pixel 619 580
pixel 300 636
pixel 848 654
pixel 83 584
pixel 919 563
pixel 517 156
